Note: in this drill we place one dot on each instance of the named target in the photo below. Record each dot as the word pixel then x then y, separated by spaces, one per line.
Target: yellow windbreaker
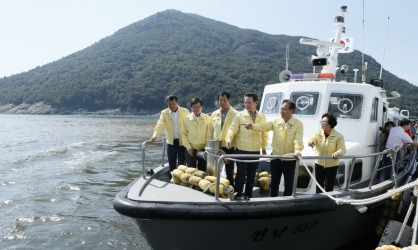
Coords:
pixel 247 140
pixel 166 123
pixel 286 140
pixel 327 146
pixel 214 130
pixel 193 133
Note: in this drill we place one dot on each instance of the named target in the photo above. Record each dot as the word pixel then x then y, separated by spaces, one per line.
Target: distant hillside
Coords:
pixel 173 53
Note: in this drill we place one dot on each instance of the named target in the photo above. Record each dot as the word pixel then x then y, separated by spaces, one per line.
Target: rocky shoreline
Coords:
pixel 44 109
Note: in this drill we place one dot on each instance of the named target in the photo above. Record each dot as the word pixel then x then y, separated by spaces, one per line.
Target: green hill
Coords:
pixel 173 53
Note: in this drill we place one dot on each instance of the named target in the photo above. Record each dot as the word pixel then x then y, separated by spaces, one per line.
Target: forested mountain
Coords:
pixel 174 53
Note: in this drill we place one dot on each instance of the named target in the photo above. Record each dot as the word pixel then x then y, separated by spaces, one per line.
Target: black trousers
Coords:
pixel 246 169
pixel 277 168
pixel 191 161
pixel 175 154
pixel 229 167
pixel 325 177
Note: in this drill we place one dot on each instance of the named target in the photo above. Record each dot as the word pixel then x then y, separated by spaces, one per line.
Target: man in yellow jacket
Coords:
pixel 170 121
pixel 247 142
pixel 287 139
pixel 220 121
pixel 193 133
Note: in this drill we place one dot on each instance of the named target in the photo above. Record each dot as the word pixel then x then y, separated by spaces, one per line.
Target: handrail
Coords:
pixel 144 170
pixel 240 156
pixel 143 157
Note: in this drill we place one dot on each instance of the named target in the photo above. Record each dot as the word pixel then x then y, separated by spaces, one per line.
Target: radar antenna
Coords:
pixel 395 95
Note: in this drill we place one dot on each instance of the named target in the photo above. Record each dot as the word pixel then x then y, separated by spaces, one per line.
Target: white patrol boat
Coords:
pixel 172 216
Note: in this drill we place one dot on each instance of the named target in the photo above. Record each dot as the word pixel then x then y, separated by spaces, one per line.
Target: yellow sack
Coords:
pixel 203 184
pixel 182 168
pixel 177 173
pixel 184 184
pixel 263 174
pixel 200 173
pixel 194 180
pixel 174 180
pixel 213 179
pixel 190 170
pixel 185 178
pixel 221 190
pixel 264 183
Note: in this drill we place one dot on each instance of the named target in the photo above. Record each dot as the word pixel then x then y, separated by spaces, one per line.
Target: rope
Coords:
pixel 355 202
pixel 359 202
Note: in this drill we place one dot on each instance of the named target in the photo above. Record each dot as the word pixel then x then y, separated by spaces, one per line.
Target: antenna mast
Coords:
pixel 384 48
pixel 287 57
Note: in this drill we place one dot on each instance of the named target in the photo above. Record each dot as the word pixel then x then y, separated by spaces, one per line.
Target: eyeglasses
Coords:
pixel 323 121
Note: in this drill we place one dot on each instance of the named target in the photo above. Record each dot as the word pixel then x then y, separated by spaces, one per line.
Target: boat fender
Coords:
pixel 182 168
pixel 185 177
pixel 407 198
pixel 389 212
pixel 177 173
pixel 190 170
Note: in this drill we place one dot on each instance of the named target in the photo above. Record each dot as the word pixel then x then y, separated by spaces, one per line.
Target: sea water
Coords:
pixel 59 175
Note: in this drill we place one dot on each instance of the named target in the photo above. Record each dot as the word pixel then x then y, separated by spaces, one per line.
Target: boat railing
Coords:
pixel 237 157
pixel 144 145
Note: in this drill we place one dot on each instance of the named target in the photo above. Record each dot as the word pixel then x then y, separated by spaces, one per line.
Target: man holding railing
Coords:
pixel 287 139
pixel 397 136
pixel 220 121
pixel 193 133
pixel 170 121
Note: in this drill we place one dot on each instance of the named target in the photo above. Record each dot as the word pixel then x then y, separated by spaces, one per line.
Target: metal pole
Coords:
pixel 144 171
pixel 295 177
pixel 164 147
pixel 218 176
pixel 379 159
pixel 353 161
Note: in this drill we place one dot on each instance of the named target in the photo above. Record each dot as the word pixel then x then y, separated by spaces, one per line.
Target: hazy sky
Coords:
pixel 36 32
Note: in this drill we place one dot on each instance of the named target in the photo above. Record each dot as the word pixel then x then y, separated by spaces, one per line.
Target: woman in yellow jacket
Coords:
pixel 328 142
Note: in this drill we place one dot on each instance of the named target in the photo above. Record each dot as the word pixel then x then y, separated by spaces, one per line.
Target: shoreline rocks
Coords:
pixel 44 109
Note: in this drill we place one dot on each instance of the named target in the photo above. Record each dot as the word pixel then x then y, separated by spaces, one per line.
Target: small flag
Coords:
pixel 348 42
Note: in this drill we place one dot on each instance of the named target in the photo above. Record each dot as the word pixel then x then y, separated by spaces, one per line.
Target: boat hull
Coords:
pixel 326 230
pixel 303 222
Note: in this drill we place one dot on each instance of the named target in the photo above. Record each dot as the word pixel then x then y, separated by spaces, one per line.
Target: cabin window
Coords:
pixel 271 103
pixel 374 114
pixel 306 102
pixel 345 105
pixel 358 169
